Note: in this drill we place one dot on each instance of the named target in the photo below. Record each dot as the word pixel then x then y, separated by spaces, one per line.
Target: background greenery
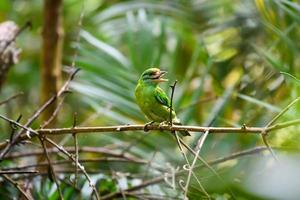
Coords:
pixel 227 57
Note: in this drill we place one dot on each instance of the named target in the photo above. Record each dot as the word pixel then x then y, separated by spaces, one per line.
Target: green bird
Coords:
pixel 152 100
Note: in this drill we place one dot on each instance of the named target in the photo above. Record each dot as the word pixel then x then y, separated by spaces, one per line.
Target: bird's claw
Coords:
pixel 164 123
pixel 146 126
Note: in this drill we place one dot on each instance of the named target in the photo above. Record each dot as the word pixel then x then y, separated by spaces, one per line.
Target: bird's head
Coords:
pixel 153 76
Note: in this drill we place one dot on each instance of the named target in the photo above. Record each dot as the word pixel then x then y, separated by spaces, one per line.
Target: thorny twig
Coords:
pixel 24 194
pixel 15 139
pixel 60 148
pixel 51 170
pixel 81 167
pixel 137 127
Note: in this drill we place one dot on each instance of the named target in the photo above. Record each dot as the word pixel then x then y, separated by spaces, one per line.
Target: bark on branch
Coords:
pixel 52 52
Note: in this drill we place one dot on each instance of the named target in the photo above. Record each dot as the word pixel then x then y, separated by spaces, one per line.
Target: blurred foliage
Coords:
pixel 229 51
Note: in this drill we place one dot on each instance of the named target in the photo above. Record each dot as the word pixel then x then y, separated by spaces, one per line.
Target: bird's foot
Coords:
pixel 165 123
pixel 162 124
pixel 146 126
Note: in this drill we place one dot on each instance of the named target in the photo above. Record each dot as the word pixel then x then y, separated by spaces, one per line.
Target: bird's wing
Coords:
pixel 161 97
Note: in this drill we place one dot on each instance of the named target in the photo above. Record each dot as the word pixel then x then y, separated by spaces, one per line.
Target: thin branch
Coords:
pixel 24 194
pixel 206 164
pixel 11 98
pixel 18 172
pixel 96 150
pixel 264 134
pixel 115 177
pixel 122 128
pixel 265 141
pixel 198 148
pixel 171 103
pixel 54 114
pixel 283 111
pixel 197 129
pixel 182 172
pixel 60 148
pixel 37 114
pixel 186 160
pixel 51 168
pixel 63 162
pixel 76 150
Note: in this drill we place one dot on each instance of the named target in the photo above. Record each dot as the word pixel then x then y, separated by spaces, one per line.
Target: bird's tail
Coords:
pixel 183 133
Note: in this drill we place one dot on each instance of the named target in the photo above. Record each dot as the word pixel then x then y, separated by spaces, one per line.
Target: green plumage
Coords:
pixel 152 100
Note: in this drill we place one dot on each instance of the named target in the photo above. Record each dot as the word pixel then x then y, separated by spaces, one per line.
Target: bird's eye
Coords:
pixel 150 74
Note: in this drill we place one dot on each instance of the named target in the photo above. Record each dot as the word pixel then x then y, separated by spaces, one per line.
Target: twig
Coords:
pixel 54 114
pixel 76 150
pixel 96 150
pixel 197 129
pixel 177 137
pixel 60 148
pixel 51 169
pixel 265 141
pixel 79 165
pixel 206 164
pixel 123 128
pixel 116 181
pixel 36 115
pixel 14 128
pixel 201 186
pixel 18 172
pixel 283 111
pixel 25 195
pixel 171 102
pixel 182 172
pixel 186 160
pixel 11 98
pixel 63 162
pixel 198 148
pixel 160 179
pixel 62 90
pixel 264 134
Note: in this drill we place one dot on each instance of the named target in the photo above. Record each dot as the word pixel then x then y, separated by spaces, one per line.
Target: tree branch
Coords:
pixel 16 184
pixel 36 114
pixel 18 172
pixel 122 128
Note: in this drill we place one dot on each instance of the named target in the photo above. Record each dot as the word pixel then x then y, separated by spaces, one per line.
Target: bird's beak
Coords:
pixel 160 79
